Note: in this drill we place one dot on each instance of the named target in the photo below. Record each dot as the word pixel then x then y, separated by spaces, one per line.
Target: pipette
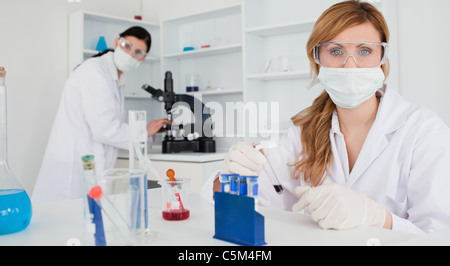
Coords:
pixel 273 177
pixel 94 208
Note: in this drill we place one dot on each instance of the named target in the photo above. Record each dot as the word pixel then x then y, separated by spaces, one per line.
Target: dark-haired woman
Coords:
pixel 90 118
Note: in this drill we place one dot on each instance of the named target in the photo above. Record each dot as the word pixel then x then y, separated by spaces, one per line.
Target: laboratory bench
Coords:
pixel 194 165
pixel 61 223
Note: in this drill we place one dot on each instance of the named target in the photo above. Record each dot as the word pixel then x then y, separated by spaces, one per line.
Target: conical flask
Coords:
pixel 15 205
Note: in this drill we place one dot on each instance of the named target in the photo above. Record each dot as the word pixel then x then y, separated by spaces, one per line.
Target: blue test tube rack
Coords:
pixel 236 220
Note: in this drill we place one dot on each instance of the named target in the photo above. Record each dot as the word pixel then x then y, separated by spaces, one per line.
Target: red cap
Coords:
pixel 96 193
pixel 171 174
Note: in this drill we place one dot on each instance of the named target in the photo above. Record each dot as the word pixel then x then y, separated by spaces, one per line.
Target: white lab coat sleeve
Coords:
pixel 206 191
pixel 428 186
pixel 278 170
pixel 100 111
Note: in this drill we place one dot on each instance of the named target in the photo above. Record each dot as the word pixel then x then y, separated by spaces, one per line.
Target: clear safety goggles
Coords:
pixel 364 54
pixel 129 47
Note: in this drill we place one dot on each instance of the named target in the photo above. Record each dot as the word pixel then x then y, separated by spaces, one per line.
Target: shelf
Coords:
pixel 114 19
pixel 149 58
pixel 282 29
pixel 137 96
pixel 211 14
pixel 216 92
pixel 279 75
pixel 226 49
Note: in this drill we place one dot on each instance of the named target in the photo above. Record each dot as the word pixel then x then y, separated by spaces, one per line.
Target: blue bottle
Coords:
pixel 15 205
pixel 101 44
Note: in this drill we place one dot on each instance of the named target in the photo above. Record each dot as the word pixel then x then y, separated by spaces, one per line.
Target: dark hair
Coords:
pixel 140 33
pixel 136 31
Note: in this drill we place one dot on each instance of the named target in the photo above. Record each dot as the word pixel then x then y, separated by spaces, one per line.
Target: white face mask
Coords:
pixel 125 62
pixel 350 87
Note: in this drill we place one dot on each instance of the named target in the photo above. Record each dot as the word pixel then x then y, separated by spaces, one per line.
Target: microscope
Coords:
pixel 194 137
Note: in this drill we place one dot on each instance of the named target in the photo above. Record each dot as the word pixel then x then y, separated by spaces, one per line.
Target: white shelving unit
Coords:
pixel 220 29
pixel 282 29
pixel 85 30
pixel 276 33
pixel 243 39
pixel 220 64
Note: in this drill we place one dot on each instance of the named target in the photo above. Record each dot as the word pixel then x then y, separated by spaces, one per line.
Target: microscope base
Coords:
pixel 176 146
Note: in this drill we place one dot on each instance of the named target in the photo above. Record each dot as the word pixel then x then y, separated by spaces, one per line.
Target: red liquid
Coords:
pixel 175 215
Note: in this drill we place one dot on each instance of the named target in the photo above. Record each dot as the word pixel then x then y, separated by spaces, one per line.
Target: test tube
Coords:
pixel 225 181
pixel 234 184
pixel 252 188
pixel 242 181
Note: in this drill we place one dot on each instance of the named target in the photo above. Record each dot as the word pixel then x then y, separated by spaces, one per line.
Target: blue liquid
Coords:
pixel 190 89
pixel 15 211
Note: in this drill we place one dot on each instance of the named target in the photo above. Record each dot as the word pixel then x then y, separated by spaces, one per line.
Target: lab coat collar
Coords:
pixel 390 117
pixel 113 70
pixel 386 122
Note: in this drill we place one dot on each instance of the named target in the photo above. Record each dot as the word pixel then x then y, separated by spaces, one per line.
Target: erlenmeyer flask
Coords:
pixel 15 205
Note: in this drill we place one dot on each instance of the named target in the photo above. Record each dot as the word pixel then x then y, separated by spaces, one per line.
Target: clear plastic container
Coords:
pixel 115 207
pixel 15 205
pixel 192 82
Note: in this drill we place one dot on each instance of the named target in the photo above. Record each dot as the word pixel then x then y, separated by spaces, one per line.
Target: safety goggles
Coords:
pixel 364 54
pixel 129 47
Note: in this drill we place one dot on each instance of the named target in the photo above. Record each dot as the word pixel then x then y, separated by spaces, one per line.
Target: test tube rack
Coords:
pixel 236 220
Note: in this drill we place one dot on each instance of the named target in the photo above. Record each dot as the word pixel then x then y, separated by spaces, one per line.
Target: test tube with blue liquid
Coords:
pixel 225 182
pixel 252 188
pixel 242 185
pixel 234 184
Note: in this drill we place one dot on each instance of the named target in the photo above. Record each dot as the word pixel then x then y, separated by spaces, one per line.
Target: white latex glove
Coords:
pixel 333 206
pixel 243 159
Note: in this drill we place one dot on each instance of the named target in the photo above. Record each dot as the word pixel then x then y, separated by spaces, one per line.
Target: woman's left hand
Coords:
pixel 333 206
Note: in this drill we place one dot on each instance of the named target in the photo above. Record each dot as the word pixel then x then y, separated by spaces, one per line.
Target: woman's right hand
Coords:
pixel 244 159
pixel 157 126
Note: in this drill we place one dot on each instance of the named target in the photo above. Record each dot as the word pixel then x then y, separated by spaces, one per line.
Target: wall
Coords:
pixel 423 53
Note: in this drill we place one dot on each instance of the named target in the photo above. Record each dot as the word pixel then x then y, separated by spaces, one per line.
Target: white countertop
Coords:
pixel 196 157
pixel 61 222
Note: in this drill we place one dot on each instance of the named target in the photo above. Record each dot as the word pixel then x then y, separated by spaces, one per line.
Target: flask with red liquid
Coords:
pixel 175 198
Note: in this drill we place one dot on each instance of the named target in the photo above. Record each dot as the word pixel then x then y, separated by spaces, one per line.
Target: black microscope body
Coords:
pixel 196 137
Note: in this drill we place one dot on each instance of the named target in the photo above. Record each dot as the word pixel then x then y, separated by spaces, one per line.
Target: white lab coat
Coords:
pixel 90 120
pixel 403 165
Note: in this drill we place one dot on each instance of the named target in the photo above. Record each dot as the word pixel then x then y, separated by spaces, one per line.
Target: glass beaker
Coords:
pixel 15 205
pixel 114 209
pixel 176 199
pixel 192 82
